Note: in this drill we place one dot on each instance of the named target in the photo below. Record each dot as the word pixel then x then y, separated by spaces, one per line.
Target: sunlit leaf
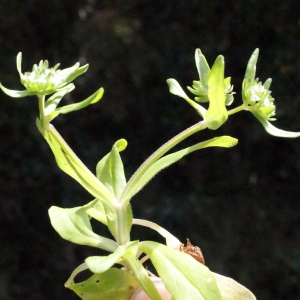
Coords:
pixel 16 94
pixel 54 100
pixel 114 284
pixel 100 264
pixel 182 275
pixel 232 290
pixel 217 113
pixel 76 106
pixel 274 130
pixel 164 162
pixel 73 224
pixel 176 89
pixel 110 170
pixel 202 67
pixel 251 66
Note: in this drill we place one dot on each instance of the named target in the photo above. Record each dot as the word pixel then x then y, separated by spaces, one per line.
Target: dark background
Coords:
pixel 240 205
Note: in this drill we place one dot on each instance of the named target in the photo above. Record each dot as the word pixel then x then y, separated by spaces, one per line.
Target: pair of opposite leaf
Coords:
pixel 213 88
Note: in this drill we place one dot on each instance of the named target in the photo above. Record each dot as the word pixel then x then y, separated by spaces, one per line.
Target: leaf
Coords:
pixel 16 94
pixel 217 113
pixel 143 278
pixel 274 130
pixel 176 89
pixel 164 162
pixel 230 289
pixel 74 167
pixel 100 264
pixel 114 284
pixel 76 106
pixel 54 100
pixel 110 170
pixel 182 275
pixel 202 67
pixel 73 224
pixel 251 66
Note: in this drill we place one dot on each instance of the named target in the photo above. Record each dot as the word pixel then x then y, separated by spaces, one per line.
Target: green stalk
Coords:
pixel 157 155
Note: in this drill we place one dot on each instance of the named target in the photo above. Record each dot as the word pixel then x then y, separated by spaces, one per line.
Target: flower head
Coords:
pixel 258 97
pixel 44 80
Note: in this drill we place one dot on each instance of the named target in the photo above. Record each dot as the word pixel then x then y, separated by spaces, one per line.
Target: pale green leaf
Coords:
pixel 100 264
pixel 54 100
pixel 19 62
pixel 73 224
pixel 16 94
pixel 217 113
pixel 114 284
pixel 75 168
pixel 251 66
pixel 110 170
pixel 232 290
pixel 76 106
pixel 176 89
pixel 202 67
pixel 164 162
pixel 142 276
pixel 183 276
pixel 274 130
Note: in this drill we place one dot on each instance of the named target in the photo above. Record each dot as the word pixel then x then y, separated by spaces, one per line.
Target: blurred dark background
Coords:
pixel 240 205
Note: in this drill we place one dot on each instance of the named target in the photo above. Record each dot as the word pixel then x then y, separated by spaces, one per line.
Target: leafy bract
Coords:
pixel 73 224
pixel 114 284
pixel 177 90
pixel 182 275
pixel 217 113
pixel 100 264
pixel 94 98
pixel 54 100
pixel 74 167
pixel 110 170
pixel 16 94
pixel 223 141
pixel 230 289
pixel 143 278
pixel 274 130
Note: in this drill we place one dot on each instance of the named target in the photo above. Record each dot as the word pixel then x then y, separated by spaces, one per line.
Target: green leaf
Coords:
pixel 54 100
pixel 230 289
pixel 110 170
pixel 202 67
pixel 142 276
pixel 74 168
pixel 251 66
pixel 164 162
pixel 73 224
pixel 19 62
pixel 69 74
pixel 76 106
pixel 274 130
pixel 176 89
pixel 100 264
pixel 217 113
pixel 16 94
pixel 114 284
pixel 183 276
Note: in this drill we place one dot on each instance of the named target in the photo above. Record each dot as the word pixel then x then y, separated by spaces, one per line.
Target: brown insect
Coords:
pixel 193 251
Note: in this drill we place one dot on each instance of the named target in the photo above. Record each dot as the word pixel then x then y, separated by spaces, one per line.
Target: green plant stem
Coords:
pixel 158 154
pixel 237 109
pixel 41 100
pixel 123 234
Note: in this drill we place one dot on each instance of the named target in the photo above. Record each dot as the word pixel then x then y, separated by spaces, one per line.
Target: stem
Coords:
pixel 172 241
pixel 123 234
pixel 41 106
pixel 237 109
pixel 158 154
